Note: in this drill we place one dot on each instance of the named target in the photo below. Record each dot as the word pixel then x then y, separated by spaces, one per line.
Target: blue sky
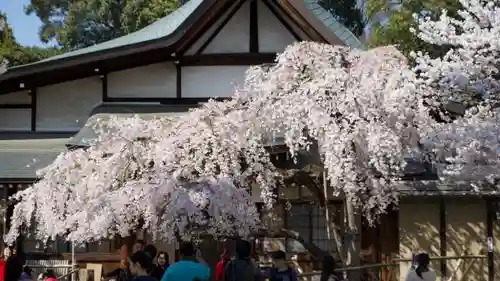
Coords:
pixel 25 27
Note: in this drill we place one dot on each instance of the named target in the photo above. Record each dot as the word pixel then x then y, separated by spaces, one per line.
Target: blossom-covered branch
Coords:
pixel 169 176
pixel 363 109
pixel 467 74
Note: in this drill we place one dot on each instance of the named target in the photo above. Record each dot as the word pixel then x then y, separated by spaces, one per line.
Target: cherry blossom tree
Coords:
pixel 466 75
pixel 362 109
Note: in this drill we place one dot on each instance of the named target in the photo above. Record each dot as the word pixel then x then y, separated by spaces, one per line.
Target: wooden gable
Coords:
pixel 249 27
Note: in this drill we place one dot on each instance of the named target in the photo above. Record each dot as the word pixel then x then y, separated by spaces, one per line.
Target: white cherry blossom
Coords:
pixel 468 71
pixel 362 109
pixel 125 180
pixel 468 75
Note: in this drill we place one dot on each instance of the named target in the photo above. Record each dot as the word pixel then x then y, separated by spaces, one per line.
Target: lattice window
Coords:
pixel 299 219
pixel 309 220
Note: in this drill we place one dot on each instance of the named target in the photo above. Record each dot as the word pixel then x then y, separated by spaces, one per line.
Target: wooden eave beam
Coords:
pixel 307 28
pixel 197 30
pixel 228 59
pixel 232 11
pixel 282 17
pixel 86 70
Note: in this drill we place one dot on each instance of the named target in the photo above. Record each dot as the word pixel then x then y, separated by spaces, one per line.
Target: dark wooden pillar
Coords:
pixel 490 214
pixel 442 235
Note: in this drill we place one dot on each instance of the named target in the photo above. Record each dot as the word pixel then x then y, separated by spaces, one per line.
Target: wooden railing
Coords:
pixel 373 271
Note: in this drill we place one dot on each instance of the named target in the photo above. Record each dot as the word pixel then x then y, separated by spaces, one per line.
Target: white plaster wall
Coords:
pixel 235 36
pixel 466 235
pixel 15 119
pixel 273 35
pixel 21 97
pixel 211 81
pixel 151 81
pixel 67 106
pixel 198 43
pixel 418 232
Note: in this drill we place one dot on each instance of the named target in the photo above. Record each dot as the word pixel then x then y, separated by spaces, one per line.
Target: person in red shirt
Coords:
pixel 219 267
pixel 7 252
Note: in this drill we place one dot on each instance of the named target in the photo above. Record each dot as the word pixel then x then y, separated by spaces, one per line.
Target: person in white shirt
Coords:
pixel 421 272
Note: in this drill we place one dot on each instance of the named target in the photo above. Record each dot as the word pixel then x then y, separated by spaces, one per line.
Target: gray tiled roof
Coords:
pixel 104 111
pixel 168 25
pixel 158 29
pixel 21 158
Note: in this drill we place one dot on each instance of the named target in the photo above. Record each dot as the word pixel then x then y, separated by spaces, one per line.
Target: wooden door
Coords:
pixel 380 244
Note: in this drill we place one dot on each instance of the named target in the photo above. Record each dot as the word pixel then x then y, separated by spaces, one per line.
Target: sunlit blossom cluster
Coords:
pixel 362 108
pixel 469 142
pixel 467 74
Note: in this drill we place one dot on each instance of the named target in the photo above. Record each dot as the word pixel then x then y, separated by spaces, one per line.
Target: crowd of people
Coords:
pixel 147 264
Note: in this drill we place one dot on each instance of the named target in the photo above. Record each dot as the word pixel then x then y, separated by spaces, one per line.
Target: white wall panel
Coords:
pixel 15 119
pixel 273 35
pixel 21 97
pixel 211 81
pixel 204 38
pixel 151 81
pixel 67 106
pixel 235 36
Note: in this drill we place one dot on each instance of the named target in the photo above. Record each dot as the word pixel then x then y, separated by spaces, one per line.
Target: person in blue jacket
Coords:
pixel 191 266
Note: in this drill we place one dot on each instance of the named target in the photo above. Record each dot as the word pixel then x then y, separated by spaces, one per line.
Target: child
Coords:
pixel 280 270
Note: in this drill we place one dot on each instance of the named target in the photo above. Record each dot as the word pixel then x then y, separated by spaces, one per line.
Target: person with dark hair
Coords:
pixel 190 267
pixel 151 251
pixel 225 258
pixel 140 265
pixel 13 269
pixel 242 268
pixel 328 269
pixel 49 275
pixel 160 266
pixel 7 252
pixel 422 271
pixel 280 271
pixel 138 246
pixel 26 275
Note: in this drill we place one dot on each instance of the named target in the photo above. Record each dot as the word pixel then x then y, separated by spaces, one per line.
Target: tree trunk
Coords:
pixel 353 227
pixel 332 229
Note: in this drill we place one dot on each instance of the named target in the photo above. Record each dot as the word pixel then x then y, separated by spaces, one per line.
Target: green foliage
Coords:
pixel 77 24
pixel 397 30
pixel 347 13
pixel 17 54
